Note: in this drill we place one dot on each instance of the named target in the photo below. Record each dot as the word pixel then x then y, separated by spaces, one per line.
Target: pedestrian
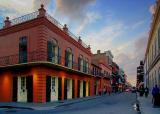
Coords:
pixel 146 91
pixel 141 91
pixel 155 94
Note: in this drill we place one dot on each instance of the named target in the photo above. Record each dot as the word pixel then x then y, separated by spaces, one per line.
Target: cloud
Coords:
pixel 73 9
pixel 152 9
pixel 15 8
pixel 75 13
pixel 137 24
pixel 127 54
pixel 37 3
pixel 90 18
pixel 130 60
pixel 105 36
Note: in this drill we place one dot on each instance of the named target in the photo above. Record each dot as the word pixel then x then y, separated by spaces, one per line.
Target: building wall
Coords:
pixel 37 40
pixel 9 44
pixel 152 65
pixel 50 34
pixel 39 82
pixel 6 87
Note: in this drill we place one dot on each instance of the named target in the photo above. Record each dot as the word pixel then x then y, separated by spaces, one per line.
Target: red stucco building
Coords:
pixel 42 61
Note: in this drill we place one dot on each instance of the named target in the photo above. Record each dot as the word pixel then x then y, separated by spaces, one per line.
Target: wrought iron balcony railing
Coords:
pixel 24 18
pixel 37 56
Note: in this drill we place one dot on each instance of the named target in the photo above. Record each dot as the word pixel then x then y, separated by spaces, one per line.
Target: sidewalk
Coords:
pixel 146 106
pixel 45 106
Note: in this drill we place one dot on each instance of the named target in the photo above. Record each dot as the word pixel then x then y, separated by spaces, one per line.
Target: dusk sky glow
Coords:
pixel 121 26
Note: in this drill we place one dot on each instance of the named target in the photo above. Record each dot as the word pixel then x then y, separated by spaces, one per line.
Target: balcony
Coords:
pixel 37 57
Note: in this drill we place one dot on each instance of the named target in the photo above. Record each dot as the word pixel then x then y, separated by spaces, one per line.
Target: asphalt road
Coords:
pixel 115 104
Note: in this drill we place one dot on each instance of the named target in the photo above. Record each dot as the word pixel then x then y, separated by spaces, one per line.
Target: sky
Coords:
pixel 121 26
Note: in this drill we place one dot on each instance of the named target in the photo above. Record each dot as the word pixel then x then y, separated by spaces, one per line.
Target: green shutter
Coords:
pixel 49 50
pixel 72 61
pixel 59 55
pixel 79 63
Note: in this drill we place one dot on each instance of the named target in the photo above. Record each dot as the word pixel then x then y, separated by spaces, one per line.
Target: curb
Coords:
pixel 65 104
pixel 50 107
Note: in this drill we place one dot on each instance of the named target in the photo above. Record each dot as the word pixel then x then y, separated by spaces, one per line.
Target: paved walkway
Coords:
pixel 115 103
pixel 44 106
pixel 147 107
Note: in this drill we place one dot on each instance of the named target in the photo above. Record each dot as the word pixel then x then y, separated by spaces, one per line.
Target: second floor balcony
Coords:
pixel 38 57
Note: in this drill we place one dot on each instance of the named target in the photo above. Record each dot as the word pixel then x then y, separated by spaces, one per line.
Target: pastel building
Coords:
pixel 105 71
pixel 42 61
pixel 152 55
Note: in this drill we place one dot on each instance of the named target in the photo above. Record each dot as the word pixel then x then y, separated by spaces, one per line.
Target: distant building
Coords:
pixel 152 55
pixel 102 61
pixel 140 74
pixel 122 80
pixel 115 77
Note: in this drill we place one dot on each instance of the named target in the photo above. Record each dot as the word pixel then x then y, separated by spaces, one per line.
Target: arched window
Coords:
pixel 80 63
pixel 86 65
pixel 54 52
pixel 69 58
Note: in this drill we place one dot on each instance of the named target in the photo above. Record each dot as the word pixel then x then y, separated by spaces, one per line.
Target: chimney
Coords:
pixel 89 48
pixel 7 22
pixel 42 11
pixel 98 51
pixel 65 28
pixel 79 40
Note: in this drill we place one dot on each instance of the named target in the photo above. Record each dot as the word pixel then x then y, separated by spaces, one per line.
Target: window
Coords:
pixel 68 58
pixel 86 66
pixel 23 50
pixel 54 52
pixel 80 63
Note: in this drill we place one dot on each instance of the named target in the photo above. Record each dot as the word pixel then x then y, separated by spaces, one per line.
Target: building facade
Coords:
pixel 105 70
pixel 140 75
pixel 42 61
pixel 115 77
pixel 122 80
pixel 152 55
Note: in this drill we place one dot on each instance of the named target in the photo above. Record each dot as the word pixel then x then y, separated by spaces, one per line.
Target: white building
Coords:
pixel 152 55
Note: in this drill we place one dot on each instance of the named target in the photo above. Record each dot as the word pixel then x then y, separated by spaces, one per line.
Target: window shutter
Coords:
pixel 50 50
pixel 79 63
pixel 54 50
pixel 72 61
pixel 23 50
pixel 66 58
pixel 84 66
pixel 59 55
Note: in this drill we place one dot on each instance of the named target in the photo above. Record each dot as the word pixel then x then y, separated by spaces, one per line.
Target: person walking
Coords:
pixel 146 91
pixel 141 91
pixel 155 94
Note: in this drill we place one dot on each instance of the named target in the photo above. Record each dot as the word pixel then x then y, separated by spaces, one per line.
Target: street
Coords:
pixel 121 103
